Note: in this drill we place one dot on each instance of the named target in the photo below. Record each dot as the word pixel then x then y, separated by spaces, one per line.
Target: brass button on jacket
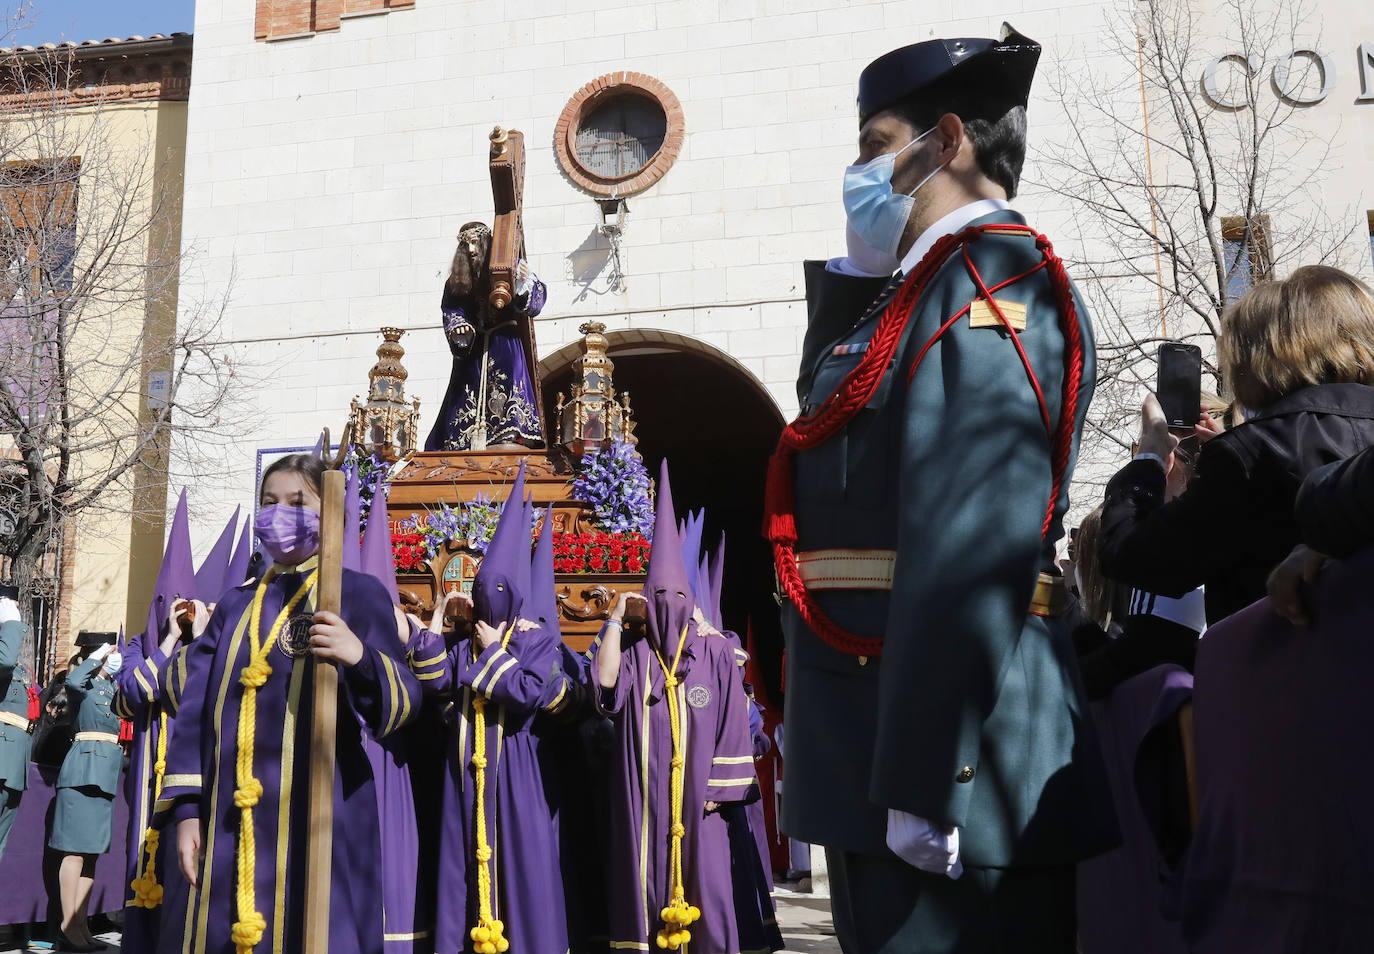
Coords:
pixel 965 774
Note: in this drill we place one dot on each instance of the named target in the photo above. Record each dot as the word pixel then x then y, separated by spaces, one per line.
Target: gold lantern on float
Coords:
pixel 592 417
pixel 385 424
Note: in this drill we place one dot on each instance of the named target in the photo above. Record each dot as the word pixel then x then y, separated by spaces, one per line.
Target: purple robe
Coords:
pixel 1119 891
pixel 519 681
pixel 379 692
pixel 1282 859
pixel 719 767
pixel 755 912
pixel 511 412
pixel 407 913
pixel 140 697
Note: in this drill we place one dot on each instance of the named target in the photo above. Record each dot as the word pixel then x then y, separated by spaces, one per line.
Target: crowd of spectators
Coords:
pixel 1214 542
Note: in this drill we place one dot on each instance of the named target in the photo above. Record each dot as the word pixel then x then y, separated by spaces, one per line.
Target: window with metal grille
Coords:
pixel 1247 254
pixel 1369 216
pixel 620 137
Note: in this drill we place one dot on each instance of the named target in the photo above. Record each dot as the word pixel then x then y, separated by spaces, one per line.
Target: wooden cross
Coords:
pixel 507 166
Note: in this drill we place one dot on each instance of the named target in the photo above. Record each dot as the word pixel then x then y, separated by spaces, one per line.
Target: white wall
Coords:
pixel 332 172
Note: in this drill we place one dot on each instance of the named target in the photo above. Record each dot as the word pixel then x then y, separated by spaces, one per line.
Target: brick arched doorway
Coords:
pixel 717 425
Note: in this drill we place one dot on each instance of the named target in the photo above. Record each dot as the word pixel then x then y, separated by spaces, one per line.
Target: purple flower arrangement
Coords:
pixel 472 524
pixel 616 484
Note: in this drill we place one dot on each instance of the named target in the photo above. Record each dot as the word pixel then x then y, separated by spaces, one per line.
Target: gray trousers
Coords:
pixel 882 905
pixel 9 807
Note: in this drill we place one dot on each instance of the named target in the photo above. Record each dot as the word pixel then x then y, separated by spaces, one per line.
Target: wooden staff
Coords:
pixel 324 716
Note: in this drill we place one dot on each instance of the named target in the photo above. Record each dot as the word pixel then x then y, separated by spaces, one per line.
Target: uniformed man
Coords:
pixel 14 718
pixel 939 740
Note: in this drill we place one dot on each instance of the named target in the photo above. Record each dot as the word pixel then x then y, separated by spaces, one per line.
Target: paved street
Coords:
pixel 805 923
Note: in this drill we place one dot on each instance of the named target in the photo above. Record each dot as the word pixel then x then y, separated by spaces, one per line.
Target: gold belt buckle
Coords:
pixel 1049 597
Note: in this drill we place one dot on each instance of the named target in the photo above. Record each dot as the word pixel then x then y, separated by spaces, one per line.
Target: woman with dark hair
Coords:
pixel 492 351
pixel 83 821
pixel 237 763
pixel 1299 357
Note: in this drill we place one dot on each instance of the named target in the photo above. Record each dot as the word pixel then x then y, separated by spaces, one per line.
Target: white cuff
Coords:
pixel 1146 455
pixel 923 844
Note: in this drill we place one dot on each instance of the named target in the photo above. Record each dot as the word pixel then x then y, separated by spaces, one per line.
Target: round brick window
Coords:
pixel 619 134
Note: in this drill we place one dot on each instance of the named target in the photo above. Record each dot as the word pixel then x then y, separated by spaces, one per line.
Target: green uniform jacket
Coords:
pixel 91 762
pixel 975 714
pixel 14 698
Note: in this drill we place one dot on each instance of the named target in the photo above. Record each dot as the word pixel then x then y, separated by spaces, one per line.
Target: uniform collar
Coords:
pixel 948 225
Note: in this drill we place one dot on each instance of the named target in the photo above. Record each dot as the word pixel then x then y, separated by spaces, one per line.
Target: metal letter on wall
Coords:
pixel 1366 73
pixel 1288 82
pixel 1252 67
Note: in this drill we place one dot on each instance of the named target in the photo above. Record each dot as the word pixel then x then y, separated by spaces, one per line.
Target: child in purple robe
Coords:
pixel 238 761
pixel 499 883
pixel 682 751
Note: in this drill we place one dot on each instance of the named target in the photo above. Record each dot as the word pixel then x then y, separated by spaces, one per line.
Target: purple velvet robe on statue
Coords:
pixel 511 412
pixel 201 769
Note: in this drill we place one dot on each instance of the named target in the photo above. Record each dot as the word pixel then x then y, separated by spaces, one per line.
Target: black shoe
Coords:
pixel 63 944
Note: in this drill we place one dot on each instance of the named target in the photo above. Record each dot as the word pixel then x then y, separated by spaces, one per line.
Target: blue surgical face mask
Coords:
pixel 877 215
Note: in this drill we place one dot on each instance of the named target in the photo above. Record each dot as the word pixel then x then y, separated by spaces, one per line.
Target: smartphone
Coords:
pixel 1178 384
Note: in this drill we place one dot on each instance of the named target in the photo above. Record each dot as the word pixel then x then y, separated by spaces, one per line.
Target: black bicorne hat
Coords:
pixel 1003 68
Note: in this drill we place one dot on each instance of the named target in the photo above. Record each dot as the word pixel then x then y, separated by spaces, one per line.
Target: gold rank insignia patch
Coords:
pixel 982 315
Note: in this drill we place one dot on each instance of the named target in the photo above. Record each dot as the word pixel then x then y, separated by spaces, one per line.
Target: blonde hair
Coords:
pixel 1103 598
pixel 1314 327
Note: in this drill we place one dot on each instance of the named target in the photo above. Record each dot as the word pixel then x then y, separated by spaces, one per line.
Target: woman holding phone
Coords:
pixel 1298 356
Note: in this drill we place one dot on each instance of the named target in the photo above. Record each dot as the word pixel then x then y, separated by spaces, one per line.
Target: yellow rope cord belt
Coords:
pixel 147 892
pixel 247 930
pixel 678 914
pixel 488 936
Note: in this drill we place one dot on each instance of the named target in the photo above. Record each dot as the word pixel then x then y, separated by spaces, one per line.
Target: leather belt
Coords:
pixel 14 719
pixel 96 737
pixel 839 569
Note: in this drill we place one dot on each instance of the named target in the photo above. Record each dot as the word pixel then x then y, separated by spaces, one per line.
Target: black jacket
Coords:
pixel 1335 510
pixel 1235 521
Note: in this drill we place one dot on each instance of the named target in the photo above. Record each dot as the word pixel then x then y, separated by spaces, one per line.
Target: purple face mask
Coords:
pixel 290 535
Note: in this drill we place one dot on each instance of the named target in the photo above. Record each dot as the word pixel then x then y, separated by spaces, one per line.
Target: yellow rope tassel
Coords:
pixel 147 892
pixel 678 915
pixel 248 929
pixel 489 936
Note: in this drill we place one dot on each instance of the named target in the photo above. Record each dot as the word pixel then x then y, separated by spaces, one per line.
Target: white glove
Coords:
pixel 103 650
pixel 924 845
pixel 9 611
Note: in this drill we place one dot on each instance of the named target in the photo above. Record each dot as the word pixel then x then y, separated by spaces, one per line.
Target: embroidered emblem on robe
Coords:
pixel 294 639
pixel 698 697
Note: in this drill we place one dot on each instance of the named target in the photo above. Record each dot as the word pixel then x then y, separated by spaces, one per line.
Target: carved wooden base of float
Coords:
pixel 453 477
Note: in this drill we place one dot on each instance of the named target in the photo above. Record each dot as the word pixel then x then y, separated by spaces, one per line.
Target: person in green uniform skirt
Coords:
pixel 14 718
pixel 86 787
